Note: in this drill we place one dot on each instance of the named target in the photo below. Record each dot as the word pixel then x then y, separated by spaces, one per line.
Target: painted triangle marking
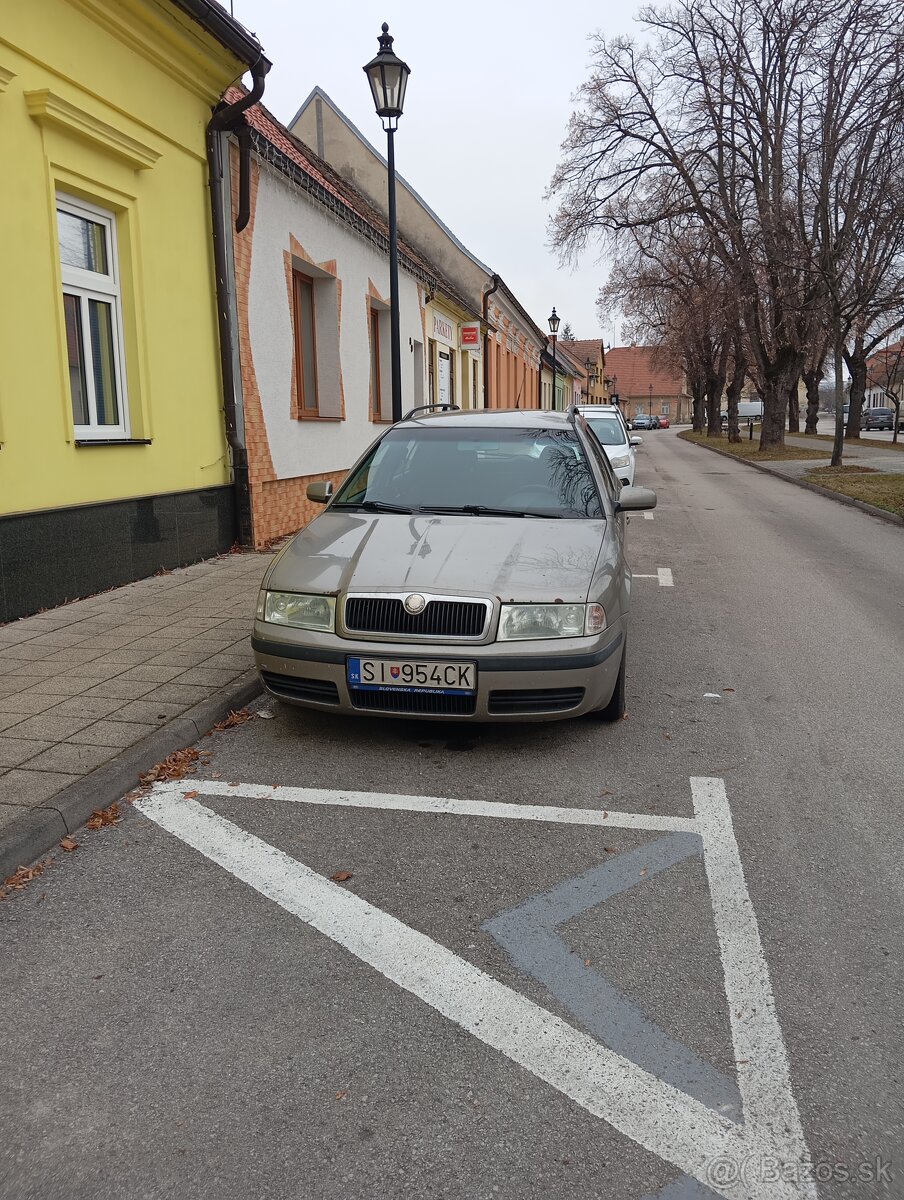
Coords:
pixel 529 933
pixel 656 1115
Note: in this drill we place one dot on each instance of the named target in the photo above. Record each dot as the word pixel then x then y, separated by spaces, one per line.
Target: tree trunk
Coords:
pixel 811 382
pixel 775 411
pixel 838 446
pixel 775 388
pixel 856 363
pixel 794 408
pixel 699 413
pixel 896 401
pixel 714 389
pixel 735 387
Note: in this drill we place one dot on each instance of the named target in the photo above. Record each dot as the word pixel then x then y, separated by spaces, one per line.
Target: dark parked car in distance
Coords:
pixel 877 418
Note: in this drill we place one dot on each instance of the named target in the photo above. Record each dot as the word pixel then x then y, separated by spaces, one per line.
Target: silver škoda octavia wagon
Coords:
pixel 471 567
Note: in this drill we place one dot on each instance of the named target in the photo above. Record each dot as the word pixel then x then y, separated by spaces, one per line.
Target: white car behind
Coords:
pixel 608 427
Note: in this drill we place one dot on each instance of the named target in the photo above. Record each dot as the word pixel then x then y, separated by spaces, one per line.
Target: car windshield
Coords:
pixel 489 470
pixel 609 430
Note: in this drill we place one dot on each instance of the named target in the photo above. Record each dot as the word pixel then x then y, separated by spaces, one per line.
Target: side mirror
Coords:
pixel 635 441
pixel 633 499
pixel 320 492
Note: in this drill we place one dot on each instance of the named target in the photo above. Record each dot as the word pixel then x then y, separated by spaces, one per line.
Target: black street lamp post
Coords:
pixel 650 407
pixel 588 367
pixel 553 329
pixel 388 78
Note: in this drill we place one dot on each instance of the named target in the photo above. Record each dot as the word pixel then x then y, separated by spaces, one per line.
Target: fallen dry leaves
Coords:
pixel 341 876
pixel 175 766
pixel 238 717
pixel 104 816
pixel 22 877
pixel 68 844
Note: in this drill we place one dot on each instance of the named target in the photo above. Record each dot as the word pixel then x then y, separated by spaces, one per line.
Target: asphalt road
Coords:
pixel 577 1005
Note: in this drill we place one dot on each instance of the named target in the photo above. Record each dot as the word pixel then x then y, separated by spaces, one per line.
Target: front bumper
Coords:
pixel 516 681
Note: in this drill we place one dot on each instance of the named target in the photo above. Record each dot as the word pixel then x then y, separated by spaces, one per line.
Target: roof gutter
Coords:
pixel 486 339
pixel 230 118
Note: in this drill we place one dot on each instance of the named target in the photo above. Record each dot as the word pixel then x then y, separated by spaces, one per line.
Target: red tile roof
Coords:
pixel 639 367
pixel 886 365
pixel 583 348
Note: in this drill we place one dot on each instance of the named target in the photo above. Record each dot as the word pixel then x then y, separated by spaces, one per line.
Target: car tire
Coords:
pixel 615 709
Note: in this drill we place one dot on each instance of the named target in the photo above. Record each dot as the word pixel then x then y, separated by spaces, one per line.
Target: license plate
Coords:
pixel 394 675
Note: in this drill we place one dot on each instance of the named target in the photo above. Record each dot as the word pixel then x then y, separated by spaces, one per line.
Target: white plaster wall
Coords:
pixel 312 447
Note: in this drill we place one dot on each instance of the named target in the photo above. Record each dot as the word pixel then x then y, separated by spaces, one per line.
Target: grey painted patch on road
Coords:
pixel 685 1188
pixel 528 934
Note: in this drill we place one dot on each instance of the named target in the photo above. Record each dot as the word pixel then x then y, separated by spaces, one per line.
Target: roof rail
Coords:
pixel 430 408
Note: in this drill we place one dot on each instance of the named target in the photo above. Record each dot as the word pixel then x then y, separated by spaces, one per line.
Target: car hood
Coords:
pixel 507 557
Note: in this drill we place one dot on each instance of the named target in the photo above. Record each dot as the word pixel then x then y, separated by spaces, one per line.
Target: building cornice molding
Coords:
pixel 172 43
pixel 50 109
pixel 6 78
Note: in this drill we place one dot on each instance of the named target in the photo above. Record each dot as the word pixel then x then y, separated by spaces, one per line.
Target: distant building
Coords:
pixel 511 342
pixel 594 383
pixel 644 384
pixel 884 374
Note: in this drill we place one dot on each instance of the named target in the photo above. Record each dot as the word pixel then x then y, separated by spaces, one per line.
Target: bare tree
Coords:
pixel 673 293
pixel 763 120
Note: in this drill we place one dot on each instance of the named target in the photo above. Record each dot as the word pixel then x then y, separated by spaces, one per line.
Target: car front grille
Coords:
pixel 321 691
pixel 533 700
pixel 414 702
pixel 440 618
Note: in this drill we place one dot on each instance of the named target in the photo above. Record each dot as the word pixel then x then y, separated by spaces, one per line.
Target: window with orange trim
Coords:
pixel 305 346
pixel 376 391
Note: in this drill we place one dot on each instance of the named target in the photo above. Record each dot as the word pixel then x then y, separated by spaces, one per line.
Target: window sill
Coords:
pixel 113 442
pixel 309 416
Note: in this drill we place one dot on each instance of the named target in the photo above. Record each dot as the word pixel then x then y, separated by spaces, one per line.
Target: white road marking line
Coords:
pixel 661 1118
pixel 607 818
pixel 765 1083
pixel 663 574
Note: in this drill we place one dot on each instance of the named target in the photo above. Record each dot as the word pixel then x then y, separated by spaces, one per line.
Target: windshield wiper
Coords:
pixel 482 510
pixel 378 506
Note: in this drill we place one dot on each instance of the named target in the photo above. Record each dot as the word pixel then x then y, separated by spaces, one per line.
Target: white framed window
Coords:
pixel 664 410
pixel 93 313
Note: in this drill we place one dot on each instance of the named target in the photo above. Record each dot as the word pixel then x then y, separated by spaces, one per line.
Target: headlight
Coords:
pixel 623 461
pixel 301 612
pixel 520 622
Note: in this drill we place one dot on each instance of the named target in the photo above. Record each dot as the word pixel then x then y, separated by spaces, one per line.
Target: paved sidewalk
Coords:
pixel 873 456
pixel 94 691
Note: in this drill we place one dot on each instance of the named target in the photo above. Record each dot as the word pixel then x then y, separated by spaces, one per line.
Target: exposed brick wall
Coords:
pixel 281 506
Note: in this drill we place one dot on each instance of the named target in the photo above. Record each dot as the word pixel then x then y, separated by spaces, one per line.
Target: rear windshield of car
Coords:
pixel 518 471
pixel 609 430
pixel 879 412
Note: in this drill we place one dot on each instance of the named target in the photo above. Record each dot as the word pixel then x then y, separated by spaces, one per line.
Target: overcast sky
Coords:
pixel 487 107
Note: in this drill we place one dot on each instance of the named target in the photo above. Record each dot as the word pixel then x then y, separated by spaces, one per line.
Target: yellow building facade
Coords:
pixel 113 453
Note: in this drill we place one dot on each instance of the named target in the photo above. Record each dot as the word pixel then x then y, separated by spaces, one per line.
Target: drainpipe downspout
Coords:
pixel 229 118
pixel 486 341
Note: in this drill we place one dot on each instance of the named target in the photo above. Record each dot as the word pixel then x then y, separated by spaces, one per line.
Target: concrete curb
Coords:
pixel 882 513
pixel 40 828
